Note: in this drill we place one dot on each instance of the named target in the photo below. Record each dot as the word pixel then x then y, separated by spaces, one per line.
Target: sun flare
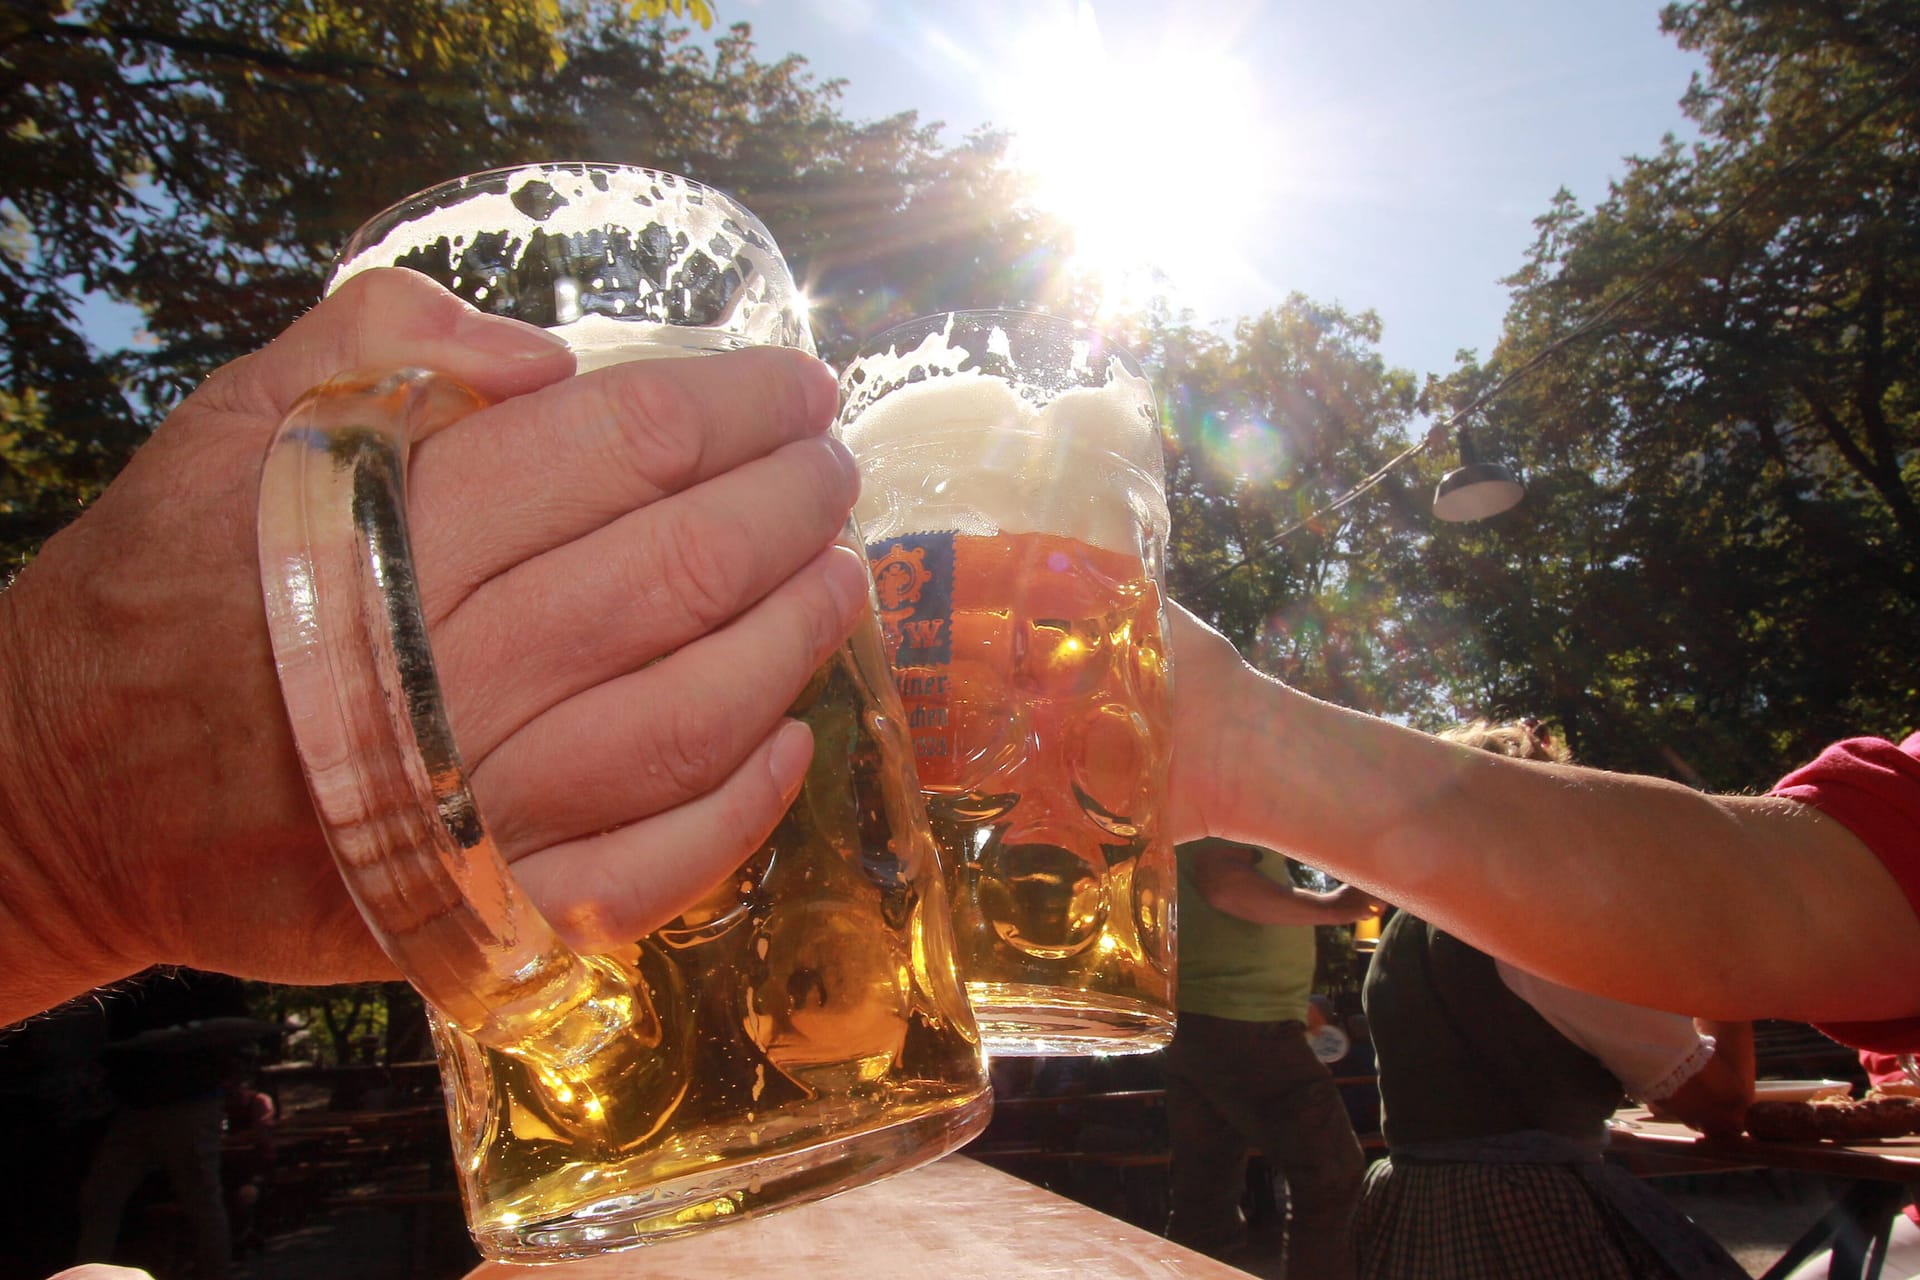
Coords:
pixel 1153 158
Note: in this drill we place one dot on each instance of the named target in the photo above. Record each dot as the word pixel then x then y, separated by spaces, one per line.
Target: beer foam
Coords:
pixel 553 243
pixel 966 400
pixel 599 341
pixel 944 445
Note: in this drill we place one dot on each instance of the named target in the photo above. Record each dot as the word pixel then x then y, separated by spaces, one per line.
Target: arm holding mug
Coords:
pixel 628 576
pixel 1729 906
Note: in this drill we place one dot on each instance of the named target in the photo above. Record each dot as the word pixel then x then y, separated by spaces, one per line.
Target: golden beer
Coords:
pixel 1014 540
pixel 1039 734
pixel 800 1031
pixel 806 1002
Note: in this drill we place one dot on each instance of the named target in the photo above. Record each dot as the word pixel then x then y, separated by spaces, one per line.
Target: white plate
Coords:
pixel 1800 1090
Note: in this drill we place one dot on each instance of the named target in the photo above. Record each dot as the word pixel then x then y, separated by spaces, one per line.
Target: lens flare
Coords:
pixel 1153 156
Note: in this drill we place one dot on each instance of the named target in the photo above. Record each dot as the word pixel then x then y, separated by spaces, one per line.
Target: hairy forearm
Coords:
pixel 46 958
pixel 50 950
pixel 1630 887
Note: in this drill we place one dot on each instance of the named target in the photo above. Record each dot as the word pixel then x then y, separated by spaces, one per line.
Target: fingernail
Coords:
pixel 792 753
pixel 823 395
pixel 848 580
pixel 505 338
pixel 844 456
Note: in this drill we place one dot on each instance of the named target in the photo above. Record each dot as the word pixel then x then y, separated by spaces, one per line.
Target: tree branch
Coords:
pixel 334 68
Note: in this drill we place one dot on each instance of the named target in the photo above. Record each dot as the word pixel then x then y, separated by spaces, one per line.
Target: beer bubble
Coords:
pixel 1111 767
pixel 835 1007
pixel 1042 900
pixel 1153 911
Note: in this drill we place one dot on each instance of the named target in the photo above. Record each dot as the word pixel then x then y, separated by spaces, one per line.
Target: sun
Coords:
pixel 1156 158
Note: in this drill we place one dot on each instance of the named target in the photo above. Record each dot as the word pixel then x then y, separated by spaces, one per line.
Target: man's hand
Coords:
pixel 627 575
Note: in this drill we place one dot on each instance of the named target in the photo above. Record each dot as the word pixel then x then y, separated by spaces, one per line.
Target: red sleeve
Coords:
pixel 1872 788
pixel 1882 1068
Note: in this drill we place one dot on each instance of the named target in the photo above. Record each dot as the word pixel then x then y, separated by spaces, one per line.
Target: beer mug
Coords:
pixel 800 1031
pixel 1015 522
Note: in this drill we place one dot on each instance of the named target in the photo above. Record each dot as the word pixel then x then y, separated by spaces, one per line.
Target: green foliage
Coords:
pixel 329 1026
pixel 1718 566
pixel 198 160
pixel 1265 428
pixel 698 10
pixel 47 474
pixel 879 222
pixel 364 1023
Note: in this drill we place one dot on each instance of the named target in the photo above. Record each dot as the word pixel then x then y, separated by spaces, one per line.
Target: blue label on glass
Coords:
pixel 913 580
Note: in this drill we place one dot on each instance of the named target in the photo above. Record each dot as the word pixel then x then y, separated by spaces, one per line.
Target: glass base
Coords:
pixel 1032 1021
pixel 739 1191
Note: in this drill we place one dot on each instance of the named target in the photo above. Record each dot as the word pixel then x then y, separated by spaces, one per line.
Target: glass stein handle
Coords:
pixel 358 679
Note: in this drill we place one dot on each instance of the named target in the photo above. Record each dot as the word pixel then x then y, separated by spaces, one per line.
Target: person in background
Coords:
pixel 1495 1089
pixel 1240 1073
pixel 1801 904
pixel 248 1152
pixel 168 1079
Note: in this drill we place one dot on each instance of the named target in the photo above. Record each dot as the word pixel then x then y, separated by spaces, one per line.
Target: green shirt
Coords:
pixel 1233 968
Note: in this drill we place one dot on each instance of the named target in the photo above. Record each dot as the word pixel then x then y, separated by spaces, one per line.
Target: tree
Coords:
pixel 1719 565
pixel 879 223
pixel 199 160
pixel 1266 428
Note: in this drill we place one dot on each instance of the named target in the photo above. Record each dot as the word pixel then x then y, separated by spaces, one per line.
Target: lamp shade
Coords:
pixel 1476 490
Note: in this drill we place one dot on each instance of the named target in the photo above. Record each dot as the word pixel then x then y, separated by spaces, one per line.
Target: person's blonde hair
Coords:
pixel 1523 739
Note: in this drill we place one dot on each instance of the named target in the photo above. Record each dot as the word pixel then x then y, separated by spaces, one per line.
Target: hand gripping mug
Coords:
pixel 802 1030
pixel 1012 507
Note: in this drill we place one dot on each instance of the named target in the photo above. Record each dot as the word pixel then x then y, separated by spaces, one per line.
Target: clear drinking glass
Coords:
pixel 1015 520
pixel 800 1032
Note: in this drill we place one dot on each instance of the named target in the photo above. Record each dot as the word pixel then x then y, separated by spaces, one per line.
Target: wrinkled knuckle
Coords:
pixel 701 571
pixel 386 297
pixel 686 759
pixel 657 429
pixel 787 386
pixel 822 625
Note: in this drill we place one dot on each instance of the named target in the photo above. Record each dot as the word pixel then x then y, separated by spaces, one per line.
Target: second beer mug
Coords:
pixel 802 1029
pixel 1012 506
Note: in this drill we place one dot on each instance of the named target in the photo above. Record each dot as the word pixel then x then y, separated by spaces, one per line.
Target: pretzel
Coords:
pixel 1878 1115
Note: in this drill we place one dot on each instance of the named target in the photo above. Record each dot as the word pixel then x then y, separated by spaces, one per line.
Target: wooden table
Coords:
pixel 955 1219
pixel 1878 1178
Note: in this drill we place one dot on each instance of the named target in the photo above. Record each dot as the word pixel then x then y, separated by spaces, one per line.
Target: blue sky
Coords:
pixel 1388 155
